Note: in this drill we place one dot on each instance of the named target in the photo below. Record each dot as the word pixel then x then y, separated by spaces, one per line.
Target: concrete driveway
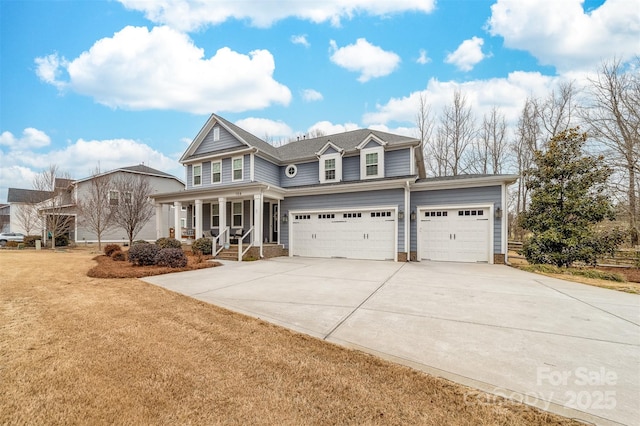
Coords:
pixel 564 347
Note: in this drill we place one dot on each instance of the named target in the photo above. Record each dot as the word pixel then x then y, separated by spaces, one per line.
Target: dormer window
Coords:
pixel 371 159
pixel 330 163
pixel 330 169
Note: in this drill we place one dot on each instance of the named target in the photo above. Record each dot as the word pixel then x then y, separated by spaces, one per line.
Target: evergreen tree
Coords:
pixel 568 199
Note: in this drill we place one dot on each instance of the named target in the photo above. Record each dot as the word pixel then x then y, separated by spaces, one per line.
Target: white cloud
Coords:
pixel 311 95
pixel 265 128
pixel 162 69
pixel 508 94
pixel 31 138
pixel 79 159
pixel 562 34
pixel 467 55
pixel 329 128
pixel 423 58
pixel 188 15
pixel 363 57
pixel 300 39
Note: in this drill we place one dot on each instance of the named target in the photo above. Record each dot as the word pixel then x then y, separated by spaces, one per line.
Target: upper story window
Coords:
pixel 237 170
pixel 126 197
pixel 197 174
pixel 114 198
pixel 372 163
pixel 216 133
pixel 216 172
pixel 331 168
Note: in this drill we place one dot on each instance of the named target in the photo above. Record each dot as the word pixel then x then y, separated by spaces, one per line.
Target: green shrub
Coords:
pixel 202 246
pixel 30 240
pixel 119 256
pixel 171 257
pixel 168 243
pixel 62 241
pixel 109 249
pixel 143 254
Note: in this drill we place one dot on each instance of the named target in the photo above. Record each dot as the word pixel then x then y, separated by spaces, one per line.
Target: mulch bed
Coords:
pixel 109 268
pixel 631 274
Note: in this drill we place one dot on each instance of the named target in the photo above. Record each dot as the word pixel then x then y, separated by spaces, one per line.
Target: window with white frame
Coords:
pixel 330 168
pixel 197 174
pixel 372 163
pixel 215 215
pixel 216 133
pixel 237 214
pixel 237 168
pixel 183 222
pixel 216 172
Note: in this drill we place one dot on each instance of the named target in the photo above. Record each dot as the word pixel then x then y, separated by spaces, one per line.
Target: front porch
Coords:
pixel 248 215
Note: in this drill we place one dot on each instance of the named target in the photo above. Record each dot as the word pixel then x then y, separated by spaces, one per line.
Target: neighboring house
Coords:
pixel 5 217
pixel 159 181
pixel 361 194
pixel 24 201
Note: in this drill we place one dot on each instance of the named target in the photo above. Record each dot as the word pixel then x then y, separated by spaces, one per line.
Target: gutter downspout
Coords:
pixel 407 220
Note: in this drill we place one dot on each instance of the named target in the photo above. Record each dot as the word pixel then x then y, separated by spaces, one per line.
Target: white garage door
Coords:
pixel 361 234
pixel 457 235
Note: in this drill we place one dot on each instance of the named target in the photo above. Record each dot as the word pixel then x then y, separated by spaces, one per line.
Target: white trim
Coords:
pixel 505 226
pixel 420 209
pixel 338 167
pixel 233 177
pixel 371 138
pixel 219 155
pixel 328 145
pixel 251 167
pixel 193 174
pixel 470 182
pixel 393 208
pixel 363 162
pixel 212 163
pixel 295 171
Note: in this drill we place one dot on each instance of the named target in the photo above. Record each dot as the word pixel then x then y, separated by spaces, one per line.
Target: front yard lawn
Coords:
pixel 81 350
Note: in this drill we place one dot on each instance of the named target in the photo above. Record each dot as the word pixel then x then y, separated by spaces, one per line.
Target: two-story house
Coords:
pixel 361 194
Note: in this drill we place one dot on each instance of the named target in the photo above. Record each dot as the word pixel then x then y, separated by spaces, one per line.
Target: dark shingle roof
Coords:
pixel 17 195
pixel 307 148
pixel 141 168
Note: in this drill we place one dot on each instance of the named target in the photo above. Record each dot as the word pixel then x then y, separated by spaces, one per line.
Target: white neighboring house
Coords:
pixel 22 209
pixel 21 200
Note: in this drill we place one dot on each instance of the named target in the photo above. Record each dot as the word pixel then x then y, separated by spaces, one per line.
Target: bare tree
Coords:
pixel 55 210
pixel 94 208
pixel 556 112
pixel 28 216
pixel 612 114
pixel 424 123
pixel 132 208
pixel 491 145
pixel 455 134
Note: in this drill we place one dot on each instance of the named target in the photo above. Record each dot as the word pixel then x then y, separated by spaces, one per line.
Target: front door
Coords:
pixel 274 223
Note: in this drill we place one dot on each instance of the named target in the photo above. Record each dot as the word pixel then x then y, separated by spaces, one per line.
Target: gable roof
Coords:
pixel 304 149
pixel 18 195
pixel 138 169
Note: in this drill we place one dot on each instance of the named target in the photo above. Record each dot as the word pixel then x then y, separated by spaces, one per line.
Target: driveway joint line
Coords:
pixel 588 304
pixel 501 326
pixel 363 302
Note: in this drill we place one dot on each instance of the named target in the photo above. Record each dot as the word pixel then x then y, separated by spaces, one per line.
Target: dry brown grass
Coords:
pixel 75 349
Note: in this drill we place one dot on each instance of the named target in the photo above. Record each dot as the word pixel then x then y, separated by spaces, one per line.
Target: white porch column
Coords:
pixel 177 207
pixel 158 220
pixel 198 224
pixel 222 203
pixel 258 220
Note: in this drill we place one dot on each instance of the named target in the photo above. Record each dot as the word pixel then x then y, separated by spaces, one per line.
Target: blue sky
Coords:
pixel 117 83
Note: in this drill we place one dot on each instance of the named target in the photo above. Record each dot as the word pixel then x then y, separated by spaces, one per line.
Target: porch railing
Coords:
pixel 240 240
pixel 214 249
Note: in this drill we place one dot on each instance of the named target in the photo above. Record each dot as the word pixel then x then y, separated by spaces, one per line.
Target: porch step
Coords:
pixel 229 254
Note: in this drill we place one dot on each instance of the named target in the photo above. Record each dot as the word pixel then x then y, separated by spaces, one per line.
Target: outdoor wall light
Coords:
pixel 498 212
pixel 400 215
pixel 285 218
pixel 413 215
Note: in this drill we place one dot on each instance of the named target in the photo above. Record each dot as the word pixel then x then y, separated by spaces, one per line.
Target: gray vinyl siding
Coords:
pixel 371 144
pixel 226 141
pixel 350 168
pixel 329 150
pixel 246 170
pixel 459 197
pixel 267 172
pixel 397 163
pixel 387 197
pixel 308 174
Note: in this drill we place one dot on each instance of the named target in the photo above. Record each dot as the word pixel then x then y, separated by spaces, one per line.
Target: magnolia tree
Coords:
pixel 568 200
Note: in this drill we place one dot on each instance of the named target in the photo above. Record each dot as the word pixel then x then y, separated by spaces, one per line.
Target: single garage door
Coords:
pixel 456 235
pixel 358 234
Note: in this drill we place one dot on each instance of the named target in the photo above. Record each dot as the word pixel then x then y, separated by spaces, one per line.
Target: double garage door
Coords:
pixel 458 235
pixel 353 234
